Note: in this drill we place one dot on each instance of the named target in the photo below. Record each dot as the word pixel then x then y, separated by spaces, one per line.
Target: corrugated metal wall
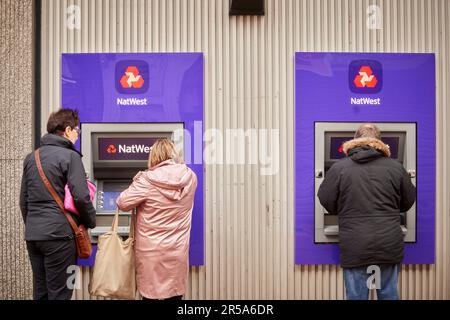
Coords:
pixel 249 80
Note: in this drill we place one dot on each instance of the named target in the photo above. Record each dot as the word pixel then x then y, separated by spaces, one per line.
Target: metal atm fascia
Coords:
pixel 174 131
pixel 329 233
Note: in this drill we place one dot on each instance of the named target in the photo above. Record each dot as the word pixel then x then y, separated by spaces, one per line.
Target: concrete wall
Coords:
pixel 16 134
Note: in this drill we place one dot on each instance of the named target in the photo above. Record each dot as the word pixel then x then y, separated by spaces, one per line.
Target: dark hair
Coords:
pixel 61 119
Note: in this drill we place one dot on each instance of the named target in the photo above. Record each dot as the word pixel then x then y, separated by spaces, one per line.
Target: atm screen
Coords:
pixel 336 143
pixel 109 200
pixel 111 191
pixel 124 148
pixel 336 151
pixel 393 143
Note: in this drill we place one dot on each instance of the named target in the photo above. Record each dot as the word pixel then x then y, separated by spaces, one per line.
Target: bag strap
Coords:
pixel 53 192
pixel 115 223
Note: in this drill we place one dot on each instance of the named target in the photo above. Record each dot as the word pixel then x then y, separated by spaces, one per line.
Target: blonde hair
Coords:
pixel 162 150
pixel 368 130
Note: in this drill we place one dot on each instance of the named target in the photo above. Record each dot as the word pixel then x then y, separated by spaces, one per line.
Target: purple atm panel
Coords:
pixel 142 88
pixel 364 87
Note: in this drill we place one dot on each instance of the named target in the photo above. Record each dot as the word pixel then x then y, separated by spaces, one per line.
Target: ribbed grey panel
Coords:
pixel 249 83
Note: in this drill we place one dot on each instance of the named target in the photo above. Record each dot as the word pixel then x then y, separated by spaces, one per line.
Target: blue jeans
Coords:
pixel 356 286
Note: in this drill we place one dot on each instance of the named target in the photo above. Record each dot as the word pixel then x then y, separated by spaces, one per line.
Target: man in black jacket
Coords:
pixel 369 191
pixel 50 239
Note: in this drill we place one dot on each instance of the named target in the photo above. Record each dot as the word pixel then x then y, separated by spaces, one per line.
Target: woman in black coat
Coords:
pixel 50 239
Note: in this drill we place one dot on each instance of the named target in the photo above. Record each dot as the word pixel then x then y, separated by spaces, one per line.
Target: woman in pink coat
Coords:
pixel 164 197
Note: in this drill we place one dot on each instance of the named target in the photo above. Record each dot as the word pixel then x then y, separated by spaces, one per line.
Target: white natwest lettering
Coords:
pixel 365 101
pixel 122 149
pixel 134 149
pixel 132 102
pixel 143 148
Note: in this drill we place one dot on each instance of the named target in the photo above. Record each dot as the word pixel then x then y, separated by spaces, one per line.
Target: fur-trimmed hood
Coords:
pixel 371 142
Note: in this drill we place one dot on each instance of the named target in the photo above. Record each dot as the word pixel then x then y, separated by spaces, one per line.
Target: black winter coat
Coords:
pixel 62 164
pixel 368 190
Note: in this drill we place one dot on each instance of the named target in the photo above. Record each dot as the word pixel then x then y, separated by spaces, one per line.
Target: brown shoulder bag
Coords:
pixel 84 246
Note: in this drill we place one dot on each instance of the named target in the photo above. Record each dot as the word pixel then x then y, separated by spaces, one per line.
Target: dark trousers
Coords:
pixel 50 261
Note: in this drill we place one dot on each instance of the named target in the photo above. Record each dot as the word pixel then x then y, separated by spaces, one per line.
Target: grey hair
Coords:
pixel 368 130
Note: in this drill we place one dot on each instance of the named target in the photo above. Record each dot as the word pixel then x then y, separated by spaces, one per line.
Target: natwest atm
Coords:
pixel 126 101
pixel 334 94
pixel 113 153
pixel 328 140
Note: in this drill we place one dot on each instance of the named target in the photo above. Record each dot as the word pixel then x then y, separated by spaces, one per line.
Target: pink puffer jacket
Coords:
pixel 164 197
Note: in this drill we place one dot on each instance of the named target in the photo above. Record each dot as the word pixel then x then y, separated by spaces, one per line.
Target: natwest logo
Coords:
pixel 365 76
pixel 131 76
pixel 134 149
pixel 123 148
pixel 111 149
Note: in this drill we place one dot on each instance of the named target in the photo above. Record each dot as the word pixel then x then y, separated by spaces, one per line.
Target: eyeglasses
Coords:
pixel 78 130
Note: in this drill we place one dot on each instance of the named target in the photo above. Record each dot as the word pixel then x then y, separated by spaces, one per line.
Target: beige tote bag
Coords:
pixel 114 271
